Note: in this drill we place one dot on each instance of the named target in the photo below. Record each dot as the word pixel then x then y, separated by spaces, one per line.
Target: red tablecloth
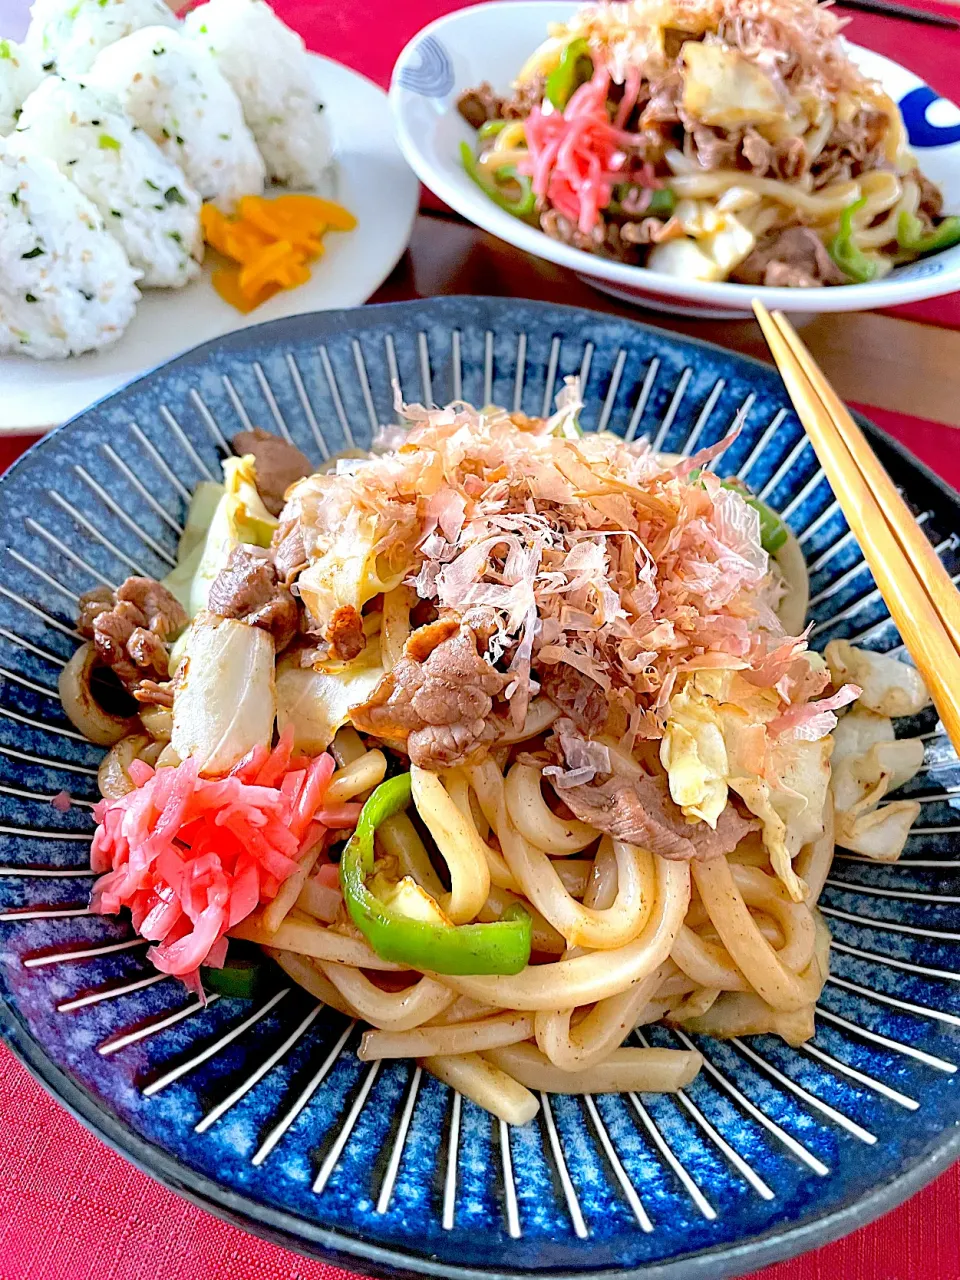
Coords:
pixel 72 1210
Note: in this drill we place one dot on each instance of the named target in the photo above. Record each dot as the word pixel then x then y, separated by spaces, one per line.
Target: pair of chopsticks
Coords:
pixel 923 601
pixel 890 9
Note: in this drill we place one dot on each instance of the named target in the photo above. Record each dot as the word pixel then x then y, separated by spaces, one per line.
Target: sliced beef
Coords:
pixel 852 148
pixel 147 650
pixel 279 464
pixel 158 610
pixel 795 257
pixel 438 699
pixel 247 588
pixel 664 106
pixel 525 97
pixel 745 149
pixel 92 604
pixel 557 227
pixel 650 231
pixel 624 237
pixel 790 159
pixel 150 693
pixel 931 197
pixel 163 611
pixel 579 698
pixel 289 553
pixel 130 628
pixel 344 633
pixel 713 150
pixel 641 812
pixel 757 152
pixel 479 105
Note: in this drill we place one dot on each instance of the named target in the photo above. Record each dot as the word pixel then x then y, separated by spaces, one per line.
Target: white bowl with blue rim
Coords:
pixel 261 1110
pixel 492 41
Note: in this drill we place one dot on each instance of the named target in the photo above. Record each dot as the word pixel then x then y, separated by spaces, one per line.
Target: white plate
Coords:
pixel 492 41
pixel 369 177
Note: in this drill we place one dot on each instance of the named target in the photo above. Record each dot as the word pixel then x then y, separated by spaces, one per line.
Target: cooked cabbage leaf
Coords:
pixel 215 528
pixel 869 763
pixel 858 731
pixel 203 505
pixel 694 754
pixel 881 833
pixel 317 703
pixel 348 571
pixel 723 88
pixel 792 810
pixel 225 700
pixel 888 686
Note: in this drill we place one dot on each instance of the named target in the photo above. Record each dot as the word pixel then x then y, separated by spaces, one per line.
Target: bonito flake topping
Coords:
pixel 573 553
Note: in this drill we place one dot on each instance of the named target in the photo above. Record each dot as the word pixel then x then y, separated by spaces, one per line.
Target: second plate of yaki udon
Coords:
pixel 505 739
pixel 711 139
pixel 708 142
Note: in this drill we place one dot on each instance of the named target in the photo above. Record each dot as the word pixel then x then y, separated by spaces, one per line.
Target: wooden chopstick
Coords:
pixel 916 546
pixel 911 608
pixel 890 9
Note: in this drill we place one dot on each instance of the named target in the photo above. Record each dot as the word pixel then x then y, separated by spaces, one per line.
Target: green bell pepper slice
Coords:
pixel 773 532
pixel 242 979
pixel 569 73
pixel 521 208
pixel 501 947
pixel 912 238
pixel 490 129
pixel 851 260
pixel 662 202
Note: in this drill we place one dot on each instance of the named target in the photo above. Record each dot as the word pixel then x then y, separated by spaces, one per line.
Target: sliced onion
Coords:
pixel 158 722
pixel 792 609
pixel 151 753
pixel 81 706
pixel 113 777
pixel 168 758
pixel 540 715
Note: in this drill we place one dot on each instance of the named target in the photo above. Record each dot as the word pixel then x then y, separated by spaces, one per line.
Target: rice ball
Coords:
pixel 173 90
pixel 68 34
pixel 275 79
pixel 20 73
pixel 66 285
pixel 144 199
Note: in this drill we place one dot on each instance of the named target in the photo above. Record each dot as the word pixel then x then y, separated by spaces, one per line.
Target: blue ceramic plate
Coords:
pixel 263 1112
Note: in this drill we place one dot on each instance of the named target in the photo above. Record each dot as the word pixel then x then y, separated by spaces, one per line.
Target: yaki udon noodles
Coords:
pixel 505 739
pixel 708 139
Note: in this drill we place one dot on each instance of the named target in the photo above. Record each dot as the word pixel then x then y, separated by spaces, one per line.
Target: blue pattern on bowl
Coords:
pixel 264 1112
pixel 428 71
pixel 915 107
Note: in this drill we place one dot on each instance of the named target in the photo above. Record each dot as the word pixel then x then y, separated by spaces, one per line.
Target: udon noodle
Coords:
pixel 572 714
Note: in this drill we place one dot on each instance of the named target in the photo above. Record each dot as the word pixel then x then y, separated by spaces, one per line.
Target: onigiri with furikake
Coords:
pixel 276 81
pixel 66 35
pixel 174 91
pixel 20 73
pixel 143 198
pixel 66 285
